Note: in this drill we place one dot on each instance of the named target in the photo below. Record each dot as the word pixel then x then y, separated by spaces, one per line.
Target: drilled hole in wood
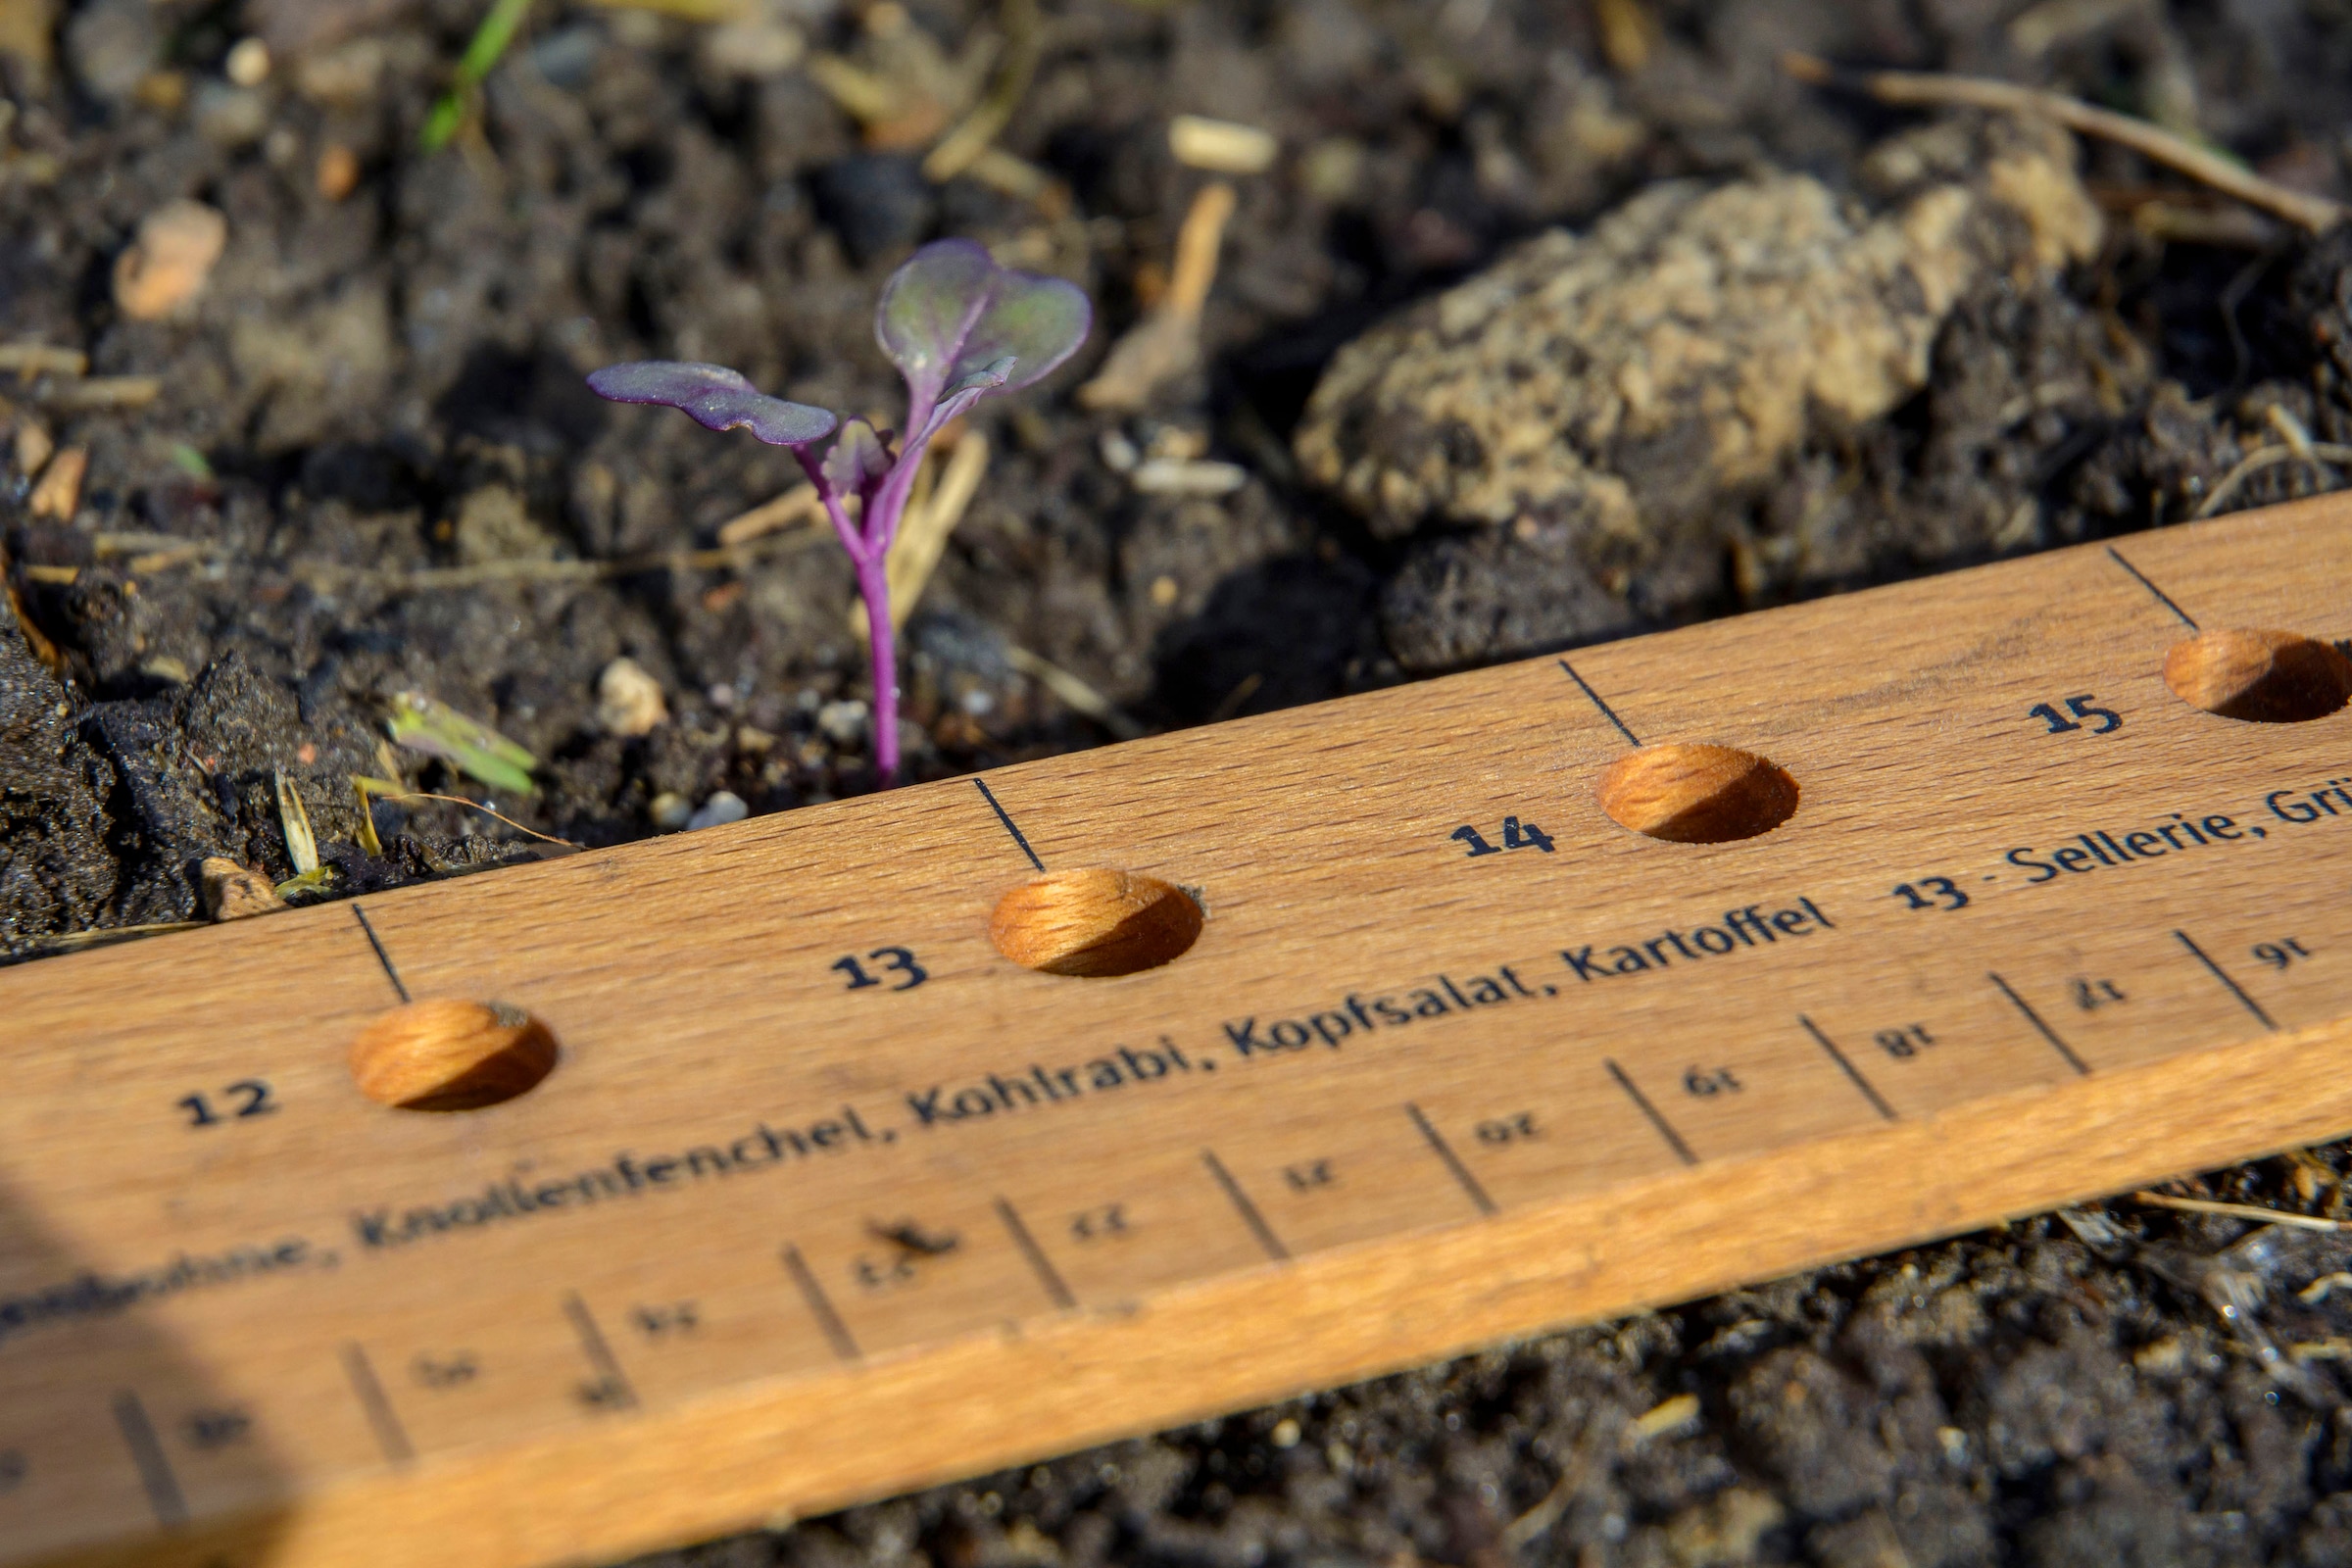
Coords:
pixel 1094 923
pixel 2265 677
pixel 450 1055
pixel 1698 794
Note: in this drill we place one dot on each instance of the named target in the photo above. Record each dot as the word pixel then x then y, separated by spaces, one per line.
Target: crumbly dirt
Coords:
pixel 365 464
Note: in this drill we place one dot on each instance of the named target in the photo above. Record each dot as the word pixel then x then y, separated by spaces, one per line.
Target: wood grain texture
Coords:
pixel 826 1197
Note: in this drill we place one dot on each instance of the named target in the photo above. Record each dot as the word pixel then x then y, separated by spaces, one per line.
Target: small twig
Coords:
pixel 1548 1511
pixel 1626 31
pixel 2315 453
pixel 1231 703
pixel 59 494
pixel 42 648
pixel 1665 1416
pixel 481 575
pixel 29 359
pixel 490 572
pixel 460 799
pixel 2320 1288
pixel 1166 342
pixel 2245 1211
pixel 1073 692
pixel 2041 27
pixel 958 149
pixel 1198 243
pixel 73 941
pixel 797 505
pixel 1934 89
pixel 103 392
pixel 2290 429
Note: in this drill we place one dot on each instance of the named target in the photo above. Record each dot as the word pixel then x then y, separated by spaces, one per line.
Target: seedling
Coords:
pixel 482 52
pixel 474 748
pixel 960 329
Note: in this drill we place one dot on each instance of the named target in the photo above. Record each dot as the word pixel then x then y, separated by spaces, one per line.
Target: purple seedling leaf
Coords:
pixel 951 313
pixel 858 461
pixel 958 395
pixel 993 376
pixel 715 398
pixel 960 329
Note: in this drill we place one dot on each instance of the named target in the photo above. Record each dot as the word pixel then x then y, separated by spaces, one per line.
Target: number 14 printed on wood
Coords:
pixel 1516 835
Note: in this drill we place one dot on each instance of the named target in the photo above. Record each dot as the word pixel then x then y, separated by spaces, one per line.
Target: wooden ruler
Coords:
pixel 1414 1047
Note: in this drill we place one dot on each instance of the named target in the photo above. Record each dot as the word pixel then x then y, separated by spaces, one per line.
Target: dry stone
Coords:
pixel 1591 409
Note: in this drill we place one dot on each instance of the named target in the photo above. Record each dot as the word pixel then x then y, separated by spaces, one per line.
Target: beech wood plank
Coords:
pixel 825 1198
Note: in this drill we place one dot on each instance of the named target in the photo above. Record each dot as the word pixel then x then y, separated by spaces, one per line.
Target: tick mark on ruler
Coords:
pixel 381 957
pixel 837 1333
pixel 2235 989
pixel 2045 1030
pixel 1052 1281
pixel 1839 1056
pixel 1606 711
pixel 1249 1210
pixel 1453 1162
pixel 611 1391
pixel 163 1496
pixel 390 1434
pixel 1004 818
pixel 1674 1140
pixel 2161 597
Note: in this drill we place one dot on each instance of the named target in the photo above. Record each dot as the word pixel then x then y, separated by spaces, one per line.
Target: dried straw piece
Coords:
pixel 1934 89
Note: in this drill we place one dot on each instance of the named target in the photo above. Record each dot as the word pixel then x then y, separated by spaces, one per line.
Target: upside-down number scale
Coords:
pixel 567 1212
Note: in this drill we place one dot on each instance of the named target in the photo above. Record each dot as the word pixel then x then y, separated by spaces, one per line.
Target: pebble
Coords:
pixel 338 172
pixel 876 202
pixel 344 78
pixel 1333 169
pixel 1221 145
pixel 718 810
pixel 1118 453
pixel 1178 476
pixel 33 446
pixel 844 721
pixel 753 48
pixel 166 266
pixel 231 892
pixel 1175 441
pixel 567 56
pixel 1285 1434
pixel 670 810
pixel 960 642
pixel 629 701
pixel 230 117
pixel 59 494
pixel 113 44
pixel 247 62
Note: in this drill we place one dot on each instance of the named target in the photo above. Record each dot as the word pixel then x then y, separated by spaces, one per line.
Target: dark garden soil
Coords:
pixel 367 465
